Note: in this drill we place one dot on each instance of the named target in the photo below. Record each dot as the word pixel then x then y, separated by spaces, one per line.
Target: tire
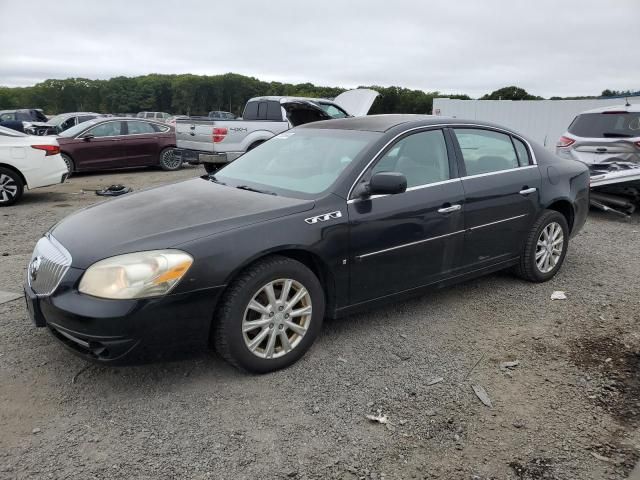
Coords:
pixel 232 336
pixel 70 165
pixel 211 167
pixel 554 224
pixel 168 161
pixel 11 187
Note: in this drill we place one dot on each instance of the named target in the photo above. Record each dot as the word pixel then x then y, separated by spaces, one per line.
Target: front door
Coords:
pixel 399 242
pixel 501 187
pixel 99 147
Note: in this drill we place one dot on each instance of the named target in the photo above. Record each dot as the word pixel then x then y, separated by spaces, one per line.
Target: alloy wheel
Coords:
pixel 277 318
pixel 549 247
pixel 8 188
pixel 169 160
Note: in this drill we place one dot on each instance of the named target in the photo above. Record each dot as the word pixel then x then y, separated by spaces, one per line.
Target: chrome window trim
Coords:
pixel 445 125
pixel 418 242
pixel 410 189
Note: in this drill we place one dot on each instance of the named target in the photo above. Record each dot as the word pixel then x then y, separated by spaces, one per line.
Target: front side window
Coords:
pixel 109 129
pixel 485 151
pixel 297 163
pixel 421 157
pixel 139 128
pixel 68 123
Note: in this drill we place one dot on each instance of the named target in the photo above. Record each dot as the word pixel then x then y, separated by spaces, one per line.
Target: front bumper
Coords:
pixel 124 331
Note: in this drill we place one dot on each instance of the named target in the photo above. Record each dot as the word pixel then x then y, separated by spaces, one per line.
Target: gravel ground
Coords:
pixel 569 410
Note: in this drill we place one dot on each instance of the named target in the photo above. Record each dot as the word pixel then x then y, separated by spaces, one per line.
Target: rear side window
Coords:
pixel 421 157
pixel 109 129
pixel 139 128
pixel 485 151
pixel 251 111
pixel 606 125
pixel 274 111
pixel 522 151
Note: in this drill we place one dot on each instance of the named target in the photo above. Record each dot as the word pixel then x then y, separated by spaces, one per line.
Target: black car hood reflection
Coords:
pixel 165 217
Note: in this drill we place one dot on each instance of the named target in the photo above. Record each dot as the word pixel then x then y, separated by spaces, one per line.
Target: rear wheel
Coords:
pixel 270 315
pixel 69 161
pixel 545 248
pixel 169 161
pixel 11 187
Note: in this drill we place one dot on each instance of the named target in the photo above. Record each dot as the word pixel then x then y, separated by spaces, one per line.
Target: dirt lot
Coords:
pixel 569 410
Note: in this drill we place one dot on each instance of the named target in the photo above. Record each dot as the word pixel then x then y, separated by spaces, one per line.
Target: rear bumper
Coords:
pixel 51 172
pixel 125 331
pixel 196 156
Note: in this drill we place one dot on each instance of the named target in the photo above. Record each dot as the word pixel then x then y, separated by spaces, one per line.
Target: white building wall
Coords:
pixel 541 120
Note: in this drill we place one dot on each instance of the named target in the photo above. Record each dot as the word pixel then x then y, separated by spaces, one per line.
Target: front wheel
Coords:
pixel 545 248
pixel 11 187
pixel 169 161
pixel 270 315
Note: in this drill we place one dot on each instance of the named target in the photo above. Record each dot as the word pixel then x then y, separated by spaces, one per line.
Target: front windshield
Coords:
pixel 304 161
pixel 73 131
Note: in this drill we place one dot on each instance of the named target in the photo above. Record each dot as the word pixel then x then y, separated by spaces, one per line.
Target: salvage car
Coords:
pixel 323 220
pixel 111 142
pixel 65 121
pixel 27 162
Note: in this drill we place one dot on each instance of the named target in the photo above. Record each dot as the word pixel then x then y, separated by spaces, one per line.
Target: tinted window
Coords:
pixel 250 111
pixel 523 152
pixel 68 123
pixel 262 111
pixel 137 128
pixel 108 129
pixel 606 125
pixel 333 111
pixel 274 111
pixel 7 116
pixel 86 118
pixel 486 151
pixel 421 157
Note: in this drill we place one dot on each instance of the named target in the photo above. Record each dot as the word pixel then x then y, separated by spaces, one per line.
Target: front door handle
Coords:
pixel 527 191
pixel 452 208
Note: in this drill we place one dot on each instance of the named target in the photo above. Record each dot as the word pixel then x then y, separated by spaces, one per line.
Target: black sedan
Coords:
pixel 323 220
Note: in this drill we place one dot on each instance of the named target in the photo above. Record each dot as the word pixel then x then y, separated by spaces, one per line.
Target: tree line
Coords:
pixel 198 94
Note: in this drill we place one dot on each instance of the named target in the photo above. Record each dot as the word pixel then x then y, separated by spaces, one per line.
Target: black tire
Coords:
pixel 11 187
pixel 527 267
pixel 211 167
pixel 227 335
pixel 70 165
pixel 170 162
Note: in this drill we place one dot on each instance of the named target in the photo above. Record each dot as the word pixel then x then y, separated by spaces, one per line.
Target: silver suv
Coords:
pixel 603 136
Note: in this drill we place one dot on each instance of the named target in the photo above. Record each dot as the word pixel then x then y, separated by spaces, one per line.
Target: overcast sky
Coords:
pixel 548 47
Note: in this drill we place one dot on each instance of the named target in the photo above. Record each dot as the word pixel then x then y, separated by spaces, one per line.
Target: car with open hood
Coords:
pixel 325 219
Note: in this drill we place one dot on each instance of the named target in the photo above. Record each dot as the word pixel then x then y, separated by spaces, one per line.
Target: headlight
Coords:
pixel 136 275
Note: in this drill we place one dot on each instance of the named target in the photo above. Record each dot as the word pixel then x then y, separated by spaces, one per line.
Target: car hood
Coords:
pixel 165 217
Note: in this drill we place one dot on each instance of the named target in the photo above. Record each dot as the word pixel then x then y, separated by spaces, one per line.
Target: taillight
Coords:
pixel 219 134
pixel 564 142
pixel 49 149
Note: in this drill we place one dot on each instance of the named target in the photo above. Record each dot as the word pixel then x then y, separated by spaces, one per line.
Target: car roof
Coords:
pixel 383 123
pixel 616 108
pixel 289 99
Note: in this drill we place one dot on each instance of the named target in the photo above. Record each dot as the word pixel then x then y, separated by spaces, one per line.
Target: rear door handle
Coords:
pixel 527 191
pixel 452 208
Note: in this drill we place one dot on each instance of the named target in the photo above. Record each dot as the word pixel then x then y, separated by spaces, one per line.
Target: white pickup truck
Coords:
pixel 217 142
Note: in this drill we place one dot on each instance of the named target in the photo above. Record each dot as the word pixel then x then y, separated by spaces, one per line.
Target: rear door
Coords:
pixel 501 187
pixel 140 143
pixel 100 146
pixel 400 242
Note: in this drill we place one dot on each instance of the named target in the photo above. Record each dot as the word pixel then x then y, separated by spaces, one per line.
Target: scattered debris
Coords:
pixel 509 365
pixel 481 393
pixel 9 296
pixel 80 372
pixel 343 360
pixel 601 457
pixel 519 423
pixel 316 409
pixel 35 431
pixel 379 418
pixel 558 295
pixel 435 380
pixel 113 191
pixel 474 365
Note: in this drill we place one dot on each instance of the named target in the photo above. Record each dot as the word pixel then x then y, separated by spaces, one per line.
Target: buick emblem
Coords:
pixel 33 268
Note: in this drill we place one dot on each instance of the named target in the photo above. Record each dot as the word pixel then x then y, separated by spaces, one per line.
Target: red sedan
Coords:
pixel 109 143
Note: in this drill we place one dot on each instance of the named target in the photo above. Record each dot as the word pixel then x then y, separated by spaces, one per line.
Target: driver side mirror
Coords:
pixel 382 183
pixel 88 137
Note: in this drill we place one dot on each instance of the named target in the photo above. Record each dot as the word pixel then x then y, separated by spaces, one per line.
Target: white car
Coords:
pixel 28 161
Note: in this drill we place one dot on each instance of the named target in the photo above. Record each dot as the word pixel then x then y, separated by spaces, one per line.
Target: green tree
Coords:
pixel 510 93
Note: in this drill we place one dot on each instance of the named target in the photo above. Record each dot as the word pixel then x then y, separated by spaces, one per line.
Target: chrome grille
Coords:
pixel 49 262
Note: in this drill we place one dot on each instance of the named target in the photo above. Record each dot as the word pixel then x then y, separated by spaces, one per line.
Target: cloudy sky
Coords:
pixel 548 47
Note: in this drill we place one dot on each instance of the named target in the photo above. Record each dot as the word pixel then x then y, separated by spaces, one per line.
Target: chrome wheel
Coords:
pixel 549 247
pixel 8 188
pixel 170 161
pixel 277 318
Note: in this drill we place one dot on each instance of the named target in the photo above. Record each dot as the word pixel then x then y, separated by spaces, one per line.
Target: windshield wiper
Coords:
pixel 251 189
pixel 615 135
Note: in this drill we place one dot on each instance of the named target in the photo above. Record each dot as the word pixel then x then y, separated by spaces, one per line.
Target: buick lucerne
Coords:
pixel 322 220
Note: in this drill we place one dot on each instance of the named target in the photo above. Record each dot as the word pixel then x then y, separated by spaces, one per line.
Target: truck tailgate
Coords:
pixel 194 135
